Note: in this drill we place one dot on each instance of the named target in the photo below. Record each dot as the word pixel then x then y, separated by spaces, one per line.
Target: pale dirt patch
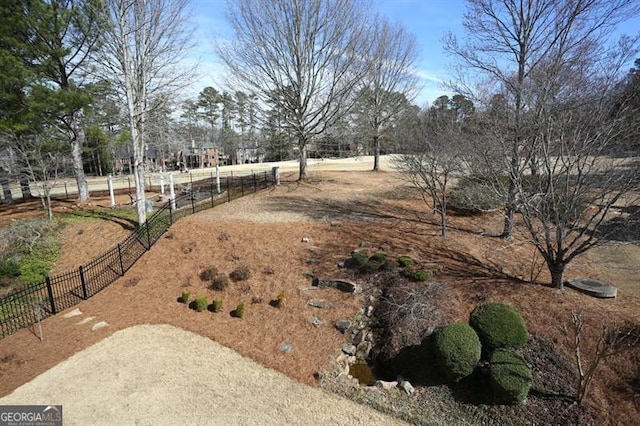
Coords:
pixel 159 374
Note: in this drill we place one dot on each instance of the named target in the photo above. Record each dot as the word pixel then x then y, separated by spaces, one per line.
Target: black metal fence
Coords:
pixel 26 306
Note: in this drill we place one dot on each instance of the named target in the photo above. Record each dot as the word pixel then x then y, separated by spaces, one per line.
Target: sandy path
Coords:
pixel 160 374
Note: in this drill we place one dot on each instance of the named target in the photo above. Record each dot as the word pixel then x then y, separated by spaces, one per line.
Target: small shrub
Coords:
pixel 216 305
pixel 185 296
pixel 475 194
pixel 499 326
pixel 209 273
pixel 360 258
pixel 379 257
pixel 241 273
pixel 510 377
pixel 201 303
pixel 219 283
pixel 239 311
pixel 405 261
pixel 9 268
pixel 456 350
pixel 415 275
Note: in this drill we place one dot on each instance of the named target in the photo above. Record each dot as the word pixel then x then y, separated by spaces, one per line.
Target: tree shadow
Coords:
pixel 126 223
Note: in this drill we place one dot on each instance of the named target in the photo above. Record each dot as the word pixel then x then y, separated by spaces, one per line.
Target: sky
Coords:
pixel 428 20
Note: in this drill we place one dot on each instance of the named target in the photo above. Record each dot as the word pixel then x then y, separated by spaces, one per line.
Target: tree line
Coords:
pixel 544 107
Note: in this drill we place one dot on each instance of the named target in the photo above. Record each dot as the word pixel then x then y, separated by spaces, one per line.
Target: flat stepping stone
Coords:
pixel 592 287
pixel 73 313
pixel 86 320
pixel 99 325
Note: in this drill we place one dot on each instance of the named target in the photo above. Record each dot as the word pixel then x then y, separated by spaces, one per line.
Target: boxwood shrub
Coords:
pixel 510 377
pixel 499 326
pixel 456 350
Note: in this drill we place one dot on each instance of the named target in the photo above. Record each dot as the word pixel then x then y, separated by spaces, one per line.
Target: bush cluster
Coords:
pixel 510 377
pixel 456 350
pixel 499 326
pixel 476 193
pixel 360 258
pixel 495 330
pixel 185 297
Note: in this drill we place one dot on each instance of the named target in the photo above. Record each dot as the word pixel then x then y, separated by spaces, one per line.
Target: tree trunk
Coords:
pixel 76 158
pixel 376 153
pixel 557 272
pixel 138 173
pixel 24 187
pixel 443 216
pixel 6 191
pixel 510 204
pixel 302 143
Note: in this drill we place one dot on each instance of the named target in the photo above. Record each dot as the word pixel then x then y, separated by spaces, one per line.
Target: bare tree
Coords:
pixel 390 79
pixel 144 46
pixel 308 53
pixel 42 162
pixel 508 41
pixel 613 339
pixel 432 157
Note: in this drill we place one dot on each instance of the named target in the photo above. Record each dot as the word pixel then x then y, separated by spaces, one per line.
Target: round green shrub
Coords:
pixel 360 258
pixel 499 326
pixel 185 297
pixel 201 303
pixel 379 257
pixel 421 275
pixel 456 350
pixel 405 261
pixel 510 377
pixel 216 305
pixel 239 311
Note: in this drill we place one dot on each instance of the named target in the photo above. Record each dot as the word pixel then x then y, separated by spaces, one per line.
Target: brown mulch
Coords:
pixel 265 231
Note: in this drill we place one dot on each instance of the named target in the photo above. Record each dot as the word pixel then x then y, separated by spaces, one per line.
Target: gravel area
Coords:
pixel 160 374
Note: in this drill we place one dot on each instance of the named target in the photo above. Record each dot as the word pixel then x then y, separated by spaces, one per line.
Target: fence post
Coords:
pixel 228 190
pixel 120 258
pixel 242 184
pixel 111 194
pixel 66 192
pixel 84 284
pixel 211 189
pixel 255 183
pixel 172 193
pixel 51 299
pixel 171 216
pixel 146 225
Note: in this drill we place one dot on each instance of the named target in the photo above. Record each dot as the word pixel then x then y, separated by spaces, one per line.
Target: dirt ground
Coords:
pixel 286 233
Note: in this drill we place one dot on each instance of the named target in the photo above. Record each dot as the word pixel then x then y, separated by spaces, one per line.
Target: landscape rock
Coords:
pixel 364 349
pixel 406 386
pixel 343 325
pixel 99 325
pixel 306 239
pixel 317 303
pixel 286 347
pixel 349 349
pixel 386 385
pixel 313 261
pixel 73 313
pixel 315 321
pixel 360 337
pixel 341 264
